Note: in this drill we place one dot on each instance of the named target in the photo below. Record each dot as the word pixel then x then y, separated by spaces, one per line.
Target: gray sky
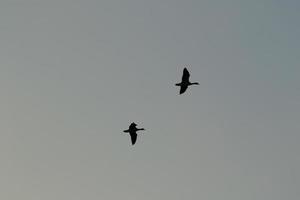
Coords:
pixel 74 74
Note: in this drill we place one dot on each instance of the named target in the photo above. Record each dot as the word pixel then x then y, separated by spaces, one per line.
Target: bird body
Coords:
pixel 132 132
pixel 185 81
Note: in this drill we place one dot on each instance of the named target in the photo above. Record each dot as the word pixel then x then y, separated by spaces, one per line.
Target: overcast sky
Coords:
pixel 75 74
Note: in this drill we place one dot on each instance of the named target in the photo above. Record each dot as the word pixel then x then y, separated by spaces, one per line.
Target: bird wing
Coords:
pixel 133 138
pixel 186 75
pixel 183 88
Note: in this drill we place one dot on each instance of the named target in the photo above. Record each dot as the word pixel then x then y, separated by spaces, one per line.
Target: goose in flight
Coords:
pixel 132 132
pixel 185 81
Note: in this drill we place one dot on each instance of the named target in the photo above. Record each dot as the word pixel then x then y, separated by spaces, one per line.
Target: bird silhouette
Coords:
pixel 132 132
pixel 185 81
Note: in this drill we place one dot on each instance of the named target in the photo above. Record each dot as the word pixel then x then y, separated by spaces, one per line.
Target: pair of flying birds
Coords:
pixel 185 83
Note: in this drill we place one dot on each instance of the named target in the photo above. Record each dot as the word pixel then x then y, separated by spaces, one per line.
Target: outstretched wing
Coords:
pixel 133 138
pixel 186 75
pixel 183 88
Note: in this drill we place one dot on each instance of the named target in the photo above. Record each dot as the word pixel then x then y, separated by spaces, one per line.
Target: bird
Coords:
pixel 185 81
pixel 132 132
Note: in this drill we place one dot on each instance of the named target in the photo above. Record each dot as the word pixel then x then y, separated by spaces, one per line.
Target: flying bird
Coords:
pixel 132 132
pixel 185 81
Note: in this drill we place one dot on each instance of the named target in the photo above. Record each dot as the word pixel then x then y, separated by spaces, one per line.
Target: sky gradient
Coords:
pixel 75 74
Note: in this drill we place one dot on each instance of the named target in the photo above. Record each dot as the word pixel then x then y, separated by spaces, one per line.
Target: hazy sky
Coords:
pixel 74 74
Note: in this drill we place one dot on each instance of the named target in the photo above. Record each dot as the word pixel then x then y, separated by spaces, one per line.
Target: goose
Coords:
pixel 185 81
pixel 132 132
